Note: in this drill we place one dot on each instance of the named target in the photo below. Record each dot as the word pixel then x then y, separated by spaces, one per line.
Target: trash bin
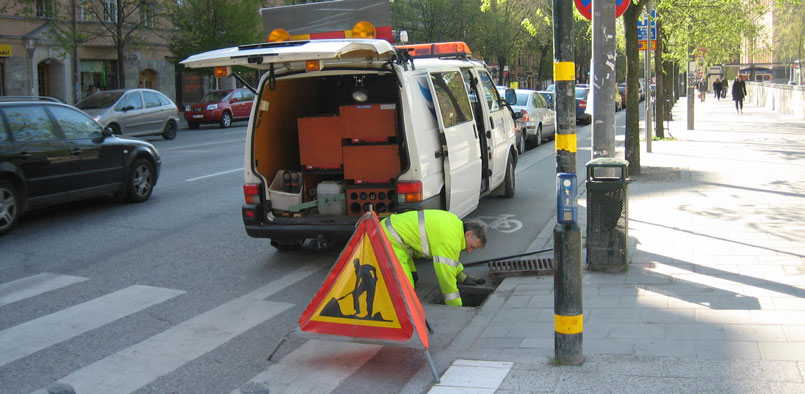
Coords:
pixel 607 214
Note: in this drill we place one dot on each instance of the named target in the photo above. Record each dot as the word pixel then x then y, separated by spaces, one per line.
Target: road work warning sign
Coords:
pixel 367 294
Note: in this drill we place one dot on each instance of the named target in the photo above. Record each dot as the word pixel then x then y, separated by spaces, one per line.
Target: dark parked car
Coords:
pixel 581 106
pixel 220 106
pixel 133 112
pixel 52 153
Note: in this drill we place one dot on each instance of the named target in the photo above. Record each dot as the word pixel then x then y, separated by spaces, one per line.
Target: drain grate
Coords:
pixel 528 267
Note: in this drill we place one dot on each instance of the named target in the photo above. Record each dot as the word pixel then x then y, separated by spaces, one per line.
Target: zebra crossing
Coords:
pixel 136 366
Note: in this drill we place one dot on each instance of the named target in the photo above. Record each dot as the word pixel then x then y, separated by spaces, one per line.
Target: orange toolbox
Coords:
pixel 320 142
pixel 370 122
pixel 371 163
pixel 383 199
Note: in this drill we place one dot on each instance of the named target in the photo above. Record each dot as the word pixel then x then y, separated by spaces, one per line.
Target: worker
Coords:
pixel 440 235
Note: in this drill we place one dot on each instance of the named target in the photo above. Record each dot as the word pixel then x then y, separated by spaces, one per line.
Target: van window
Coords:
pixel 452 95
pixel 490 92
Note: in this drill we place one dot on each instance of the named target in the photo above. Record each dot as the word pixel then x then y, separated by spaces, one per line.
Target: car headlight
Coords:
pixel 186 108
pixel 212 107
pixel 97 118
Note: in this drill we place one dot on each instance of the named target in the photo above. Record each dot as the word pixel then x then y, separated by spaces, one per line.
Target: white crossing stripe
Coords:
pixel 132 368
pixel 35 335
pixel 333 362
pixel 32 286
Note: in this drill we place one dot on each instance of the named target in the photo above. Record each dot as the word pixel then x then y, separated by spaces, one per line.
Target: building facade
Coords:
pixel 37 57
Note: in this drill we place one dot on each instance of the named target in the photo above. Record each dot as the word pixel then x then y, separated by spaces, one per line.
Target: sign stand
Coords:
pixel 367 298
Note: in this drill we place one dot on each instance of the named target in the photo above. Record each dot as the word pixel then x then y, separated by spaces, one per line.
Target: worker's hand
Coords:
pixel 473 281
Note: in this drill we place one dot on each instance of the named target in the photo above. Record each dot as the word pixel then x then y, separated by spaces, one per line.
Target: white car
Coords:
pixel 539 118
pixel 339 125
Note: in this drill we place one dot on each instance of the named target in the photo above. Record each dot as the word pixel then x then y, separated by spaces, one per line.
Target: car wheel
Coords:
pixel 170 131
pixel 140 182
pixel 192 125
pixel 521 142
pixel 10 205
pixel 539 135
pixel 509 181
pixel 226 119
pixel 115 128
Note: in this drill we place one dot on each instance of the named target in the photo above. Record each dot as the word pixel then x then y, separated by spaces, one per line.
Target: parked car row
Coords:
pixel 52 153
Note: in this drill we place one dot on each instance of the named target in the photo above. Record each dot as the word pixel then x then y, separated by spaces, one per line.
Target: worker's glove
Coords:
pixel 473 281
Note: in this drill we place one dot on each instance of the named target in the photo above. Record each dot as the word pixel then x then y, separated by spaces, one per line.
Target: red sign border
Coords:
pixel 587 12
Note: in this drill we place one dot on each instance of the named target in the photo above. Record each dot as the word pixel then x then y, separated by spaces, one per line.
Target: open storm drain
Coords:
pixel 527 267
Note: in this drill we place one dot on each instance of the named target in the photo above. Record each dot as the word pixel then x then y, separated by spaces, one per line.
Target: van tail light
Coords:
pixel 411 190
pixel 525 115
pixel 251 192
pixel 582 103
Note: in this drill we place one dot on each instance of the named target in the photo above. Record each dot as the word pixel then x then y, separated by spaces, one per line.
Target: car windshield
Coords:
pixel 522 99
pixel 215 96
pixel 100 100
pixel 581 93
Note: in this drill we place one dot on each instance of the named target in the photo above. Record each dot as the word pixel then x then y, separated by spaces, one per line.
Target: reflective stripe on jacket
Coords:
pixel 436 234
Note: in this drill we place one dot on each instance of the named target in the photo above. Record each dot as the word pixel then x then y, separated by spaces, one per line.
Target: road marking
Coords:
pixel 35 335
pixel 31 286
pixel 333 362
pixel 198 145
pixel 212 175
pixel 132 368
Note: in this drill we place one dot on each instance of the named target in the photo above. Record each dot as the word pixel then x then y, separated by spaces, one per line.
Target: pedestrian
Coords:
pixel 724 87
pixel 702 89
pixel 717 89
pixel 738 93
pixel 440 235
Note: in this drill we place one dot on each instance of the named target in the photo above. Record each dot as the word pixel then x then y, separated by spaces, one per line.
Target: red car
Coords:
pixel 220 106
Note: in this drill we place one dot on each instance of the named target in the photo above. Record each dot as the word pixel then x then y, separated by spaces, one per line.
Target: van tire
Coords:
pixel 509 182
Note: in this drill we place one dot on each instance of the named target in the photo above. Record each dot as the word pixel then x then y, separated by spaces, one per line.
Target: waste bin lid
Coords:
pixel 607 169
pixel 607 162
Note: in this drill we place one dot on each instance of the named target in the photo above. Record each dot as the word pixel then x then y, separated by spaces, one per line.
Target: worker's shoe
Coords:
pixel 473 281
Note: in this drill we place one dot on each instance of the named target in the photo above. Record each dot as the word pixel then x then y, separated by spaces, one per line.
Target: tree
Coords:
pixel 437 20
pixel 630 17
pixel 203 25
pixel 504 35
pixel 540 27
pixel 789 32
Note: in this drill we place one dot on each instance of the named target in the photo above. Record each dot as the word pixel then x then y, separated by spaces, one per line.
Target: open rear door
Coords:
pixel 262 55
pixel 460 144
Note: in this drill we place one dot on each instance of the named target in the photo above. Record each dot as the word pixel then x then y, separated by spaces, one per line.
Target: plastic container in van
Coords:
pixel 328 193
pixel 282 200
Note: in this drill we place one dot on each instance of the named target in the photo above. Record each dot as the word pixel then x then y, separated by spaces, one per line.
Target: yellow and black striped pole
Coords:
pixel 566 235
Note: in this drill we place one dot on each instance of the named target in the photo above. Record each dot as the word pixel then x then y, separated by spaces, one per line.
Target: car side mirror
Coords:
pixel 128 108
pixel 511 96
pixel 518 115
pixel 107 132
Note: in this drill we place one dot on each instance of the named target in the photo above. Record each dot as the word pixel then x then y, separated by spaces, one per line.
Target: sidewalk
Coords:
pixel 714 297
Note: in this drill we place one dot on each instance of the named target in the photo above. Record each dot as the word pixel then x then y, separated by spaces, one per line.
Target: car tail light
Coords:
pixel 525 115
pixel 251 192
pixel 248 214
pixel 411 190
pixel 582 103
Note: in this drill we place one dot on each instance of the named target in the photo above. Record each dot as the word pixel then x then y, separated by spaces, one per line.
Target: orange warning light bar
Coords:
pixel 313 65
pixel 439 48
pixel 278 35
pixel 222 72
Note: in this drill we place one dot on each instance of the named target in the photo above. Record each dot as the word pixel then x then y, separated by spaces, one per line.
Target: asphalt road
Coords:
pixel 172 296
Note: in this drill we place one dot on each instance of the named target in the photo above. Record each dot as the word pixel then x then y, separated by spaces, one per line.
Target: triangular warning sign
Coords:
pixel 367 294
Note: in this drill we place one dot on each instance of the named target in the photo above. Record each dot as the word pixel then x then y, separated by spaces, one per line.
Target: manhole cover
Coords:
pixel 528 267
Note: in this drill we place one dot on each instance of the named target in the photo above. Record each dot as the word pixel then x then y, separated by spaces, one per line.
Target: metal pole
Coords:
pixel 564 74
pixel 603 66
pixel 649 112
pixel 691 80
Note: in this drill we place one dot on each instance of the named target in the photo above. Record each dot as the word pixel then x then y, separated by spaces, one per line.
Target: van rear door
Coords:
pixel 460 144
pixel 262 55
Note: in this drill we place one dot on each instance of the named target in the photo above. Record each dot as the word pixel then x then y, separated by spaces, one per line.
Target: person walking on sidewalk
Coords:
pixel 717 89
pixel 440 235
pixel 738 93
pixel 702 89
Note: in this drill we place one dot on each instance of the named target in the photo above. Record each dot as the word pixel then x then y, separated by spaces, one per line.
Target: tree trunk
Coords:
pixel 670 88
pixel 630 17
pixel 501 66
pixel 659 112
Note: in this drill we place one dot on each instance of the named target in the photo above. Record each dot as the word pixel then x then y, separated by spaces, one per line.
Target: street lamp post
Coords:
pixel 30 46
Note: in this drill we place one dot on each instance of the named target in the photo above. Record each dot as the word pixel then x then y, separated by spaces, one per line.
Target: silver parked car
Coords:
pixel 135 112
pixel 540 119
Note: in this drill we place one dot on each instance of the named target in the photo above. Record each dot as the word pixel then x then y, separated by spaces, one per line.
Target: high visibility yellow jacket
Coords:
pixel 430 233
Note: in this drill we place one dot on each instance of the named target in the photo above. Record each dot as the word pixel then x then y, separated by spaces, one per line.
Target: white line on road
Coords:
pixel 198 145
pixel 212 175
pixel 317 367
pixel 35 335
pixel 141 364
pixel 31 286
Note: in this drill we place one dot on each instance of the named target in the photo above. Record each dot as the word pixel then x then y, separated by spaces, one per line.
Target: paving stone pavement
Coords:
pixel 713 300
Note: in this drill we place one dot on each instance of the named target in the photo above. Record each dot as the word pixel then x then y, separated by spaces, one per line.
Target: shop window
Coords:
pixel 45 8
pixel 85 12
pixel 147 15
pixel 110 10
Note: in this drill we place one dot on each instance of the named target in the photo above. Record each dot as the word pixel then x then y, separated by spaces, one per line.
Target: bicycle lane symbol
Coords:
pixel 505 223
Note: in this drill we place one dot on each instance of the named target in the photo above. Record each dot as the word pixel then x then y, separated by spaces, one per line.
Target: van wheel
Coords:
pixel 170 131
pixel 509 181
pixel 287 245
pixel 226 120
pixel 140 182
pixel 10 205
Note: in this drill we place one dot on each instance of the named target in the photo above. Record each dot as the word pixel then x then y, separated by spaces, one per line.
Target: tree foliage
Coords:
pixel 789 34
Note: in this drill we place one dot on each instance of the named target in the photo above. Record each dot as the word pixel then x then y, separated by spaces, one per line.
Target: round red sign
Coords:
pixel 585 7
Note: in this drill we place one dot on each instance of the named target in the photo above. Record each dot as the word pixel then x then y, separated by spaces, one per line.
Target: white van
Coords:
pixel 338 125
